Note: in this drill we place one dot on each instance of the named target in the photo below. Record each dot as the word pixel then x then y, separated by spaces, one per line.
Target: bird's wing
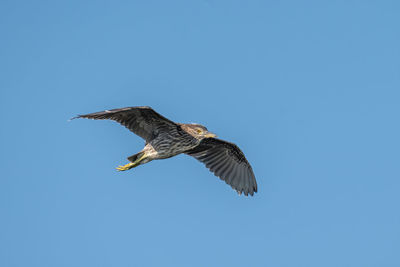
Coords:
pixel 227 162
pixel 143 121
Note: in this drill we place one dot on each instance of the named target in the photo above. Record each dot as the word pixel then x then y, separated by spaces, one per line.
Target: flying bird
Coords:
pixel 165 138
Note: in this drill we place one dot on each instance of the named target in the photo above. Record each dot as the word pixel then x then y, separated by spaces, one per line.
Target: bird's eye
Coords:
pixel 199 131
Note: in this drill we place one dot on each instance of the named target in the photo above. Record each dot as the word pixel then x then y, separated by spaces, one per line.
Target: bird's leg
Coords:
pixel 131 165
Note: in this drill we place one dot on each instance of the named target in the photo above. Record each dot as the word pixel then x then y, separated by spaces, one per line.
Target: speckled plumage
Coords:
pixel 165 138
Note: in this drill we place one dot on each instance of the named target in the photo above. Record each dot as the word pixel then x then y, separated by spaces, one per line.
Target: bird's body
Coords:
pixel 172 143
pixel 165 139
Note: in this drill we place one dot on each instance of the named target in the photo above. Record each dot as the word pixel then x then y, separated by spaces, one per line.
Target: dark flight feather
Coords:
pixel 143 121
pixel 227 162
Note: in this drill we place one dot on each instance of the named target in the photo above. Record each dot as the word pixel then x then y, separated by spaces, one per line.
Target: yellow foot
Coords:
pixel 126 167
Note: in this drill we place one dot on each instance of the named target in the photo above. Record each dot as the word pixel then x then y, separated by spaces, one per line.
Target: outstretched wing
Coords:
pixel 227 162
pixel 143 121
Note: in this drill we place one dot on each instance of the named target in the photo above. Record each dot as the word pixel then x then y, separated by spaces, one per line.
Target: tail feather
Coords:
pixel 133 158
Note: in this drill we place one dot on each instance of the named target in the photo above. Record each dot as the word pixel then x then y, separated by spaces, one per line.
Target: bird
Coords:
pixel 165 139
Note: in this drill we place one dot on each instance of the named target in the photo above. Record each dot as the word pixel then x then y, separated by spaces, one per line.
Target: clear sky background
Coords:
pixel 309 90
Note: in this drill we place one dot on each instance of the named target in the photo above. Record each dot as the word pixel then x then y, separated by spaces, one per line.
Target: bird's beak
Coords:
pixel 210 135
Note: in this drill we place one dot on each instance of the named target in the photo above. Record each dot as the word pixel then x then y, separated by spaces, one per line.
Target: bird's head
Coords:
pixel 198 131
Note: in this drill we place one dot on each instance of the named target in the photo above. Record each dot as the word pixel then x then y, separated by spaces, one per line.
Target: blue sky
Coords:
pixel 308 89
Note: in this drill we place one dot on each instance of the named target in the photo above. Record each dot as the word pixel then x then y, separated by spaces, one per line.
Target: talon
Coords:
pixel 125 167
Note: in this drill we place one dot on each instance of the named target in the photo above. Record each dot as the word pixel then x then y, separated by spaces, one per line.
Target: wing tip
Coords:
pixel 246 191
pixel 76 117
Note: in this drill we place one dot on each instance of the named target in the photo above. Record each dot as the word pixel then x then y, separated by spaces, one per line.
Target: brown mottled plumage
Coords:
pixel 165 139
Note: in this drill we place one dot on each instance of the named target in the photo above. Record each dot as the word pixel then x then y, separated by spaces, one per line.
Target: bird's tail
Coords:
pixel 133 158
